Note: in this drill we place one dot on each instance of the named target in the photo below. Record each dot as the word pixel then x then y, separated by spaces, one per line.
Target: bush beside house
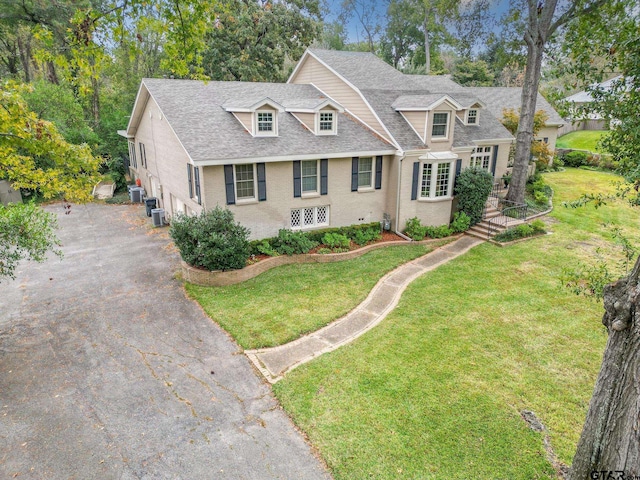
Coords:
pixel 472 189
pixel 211 240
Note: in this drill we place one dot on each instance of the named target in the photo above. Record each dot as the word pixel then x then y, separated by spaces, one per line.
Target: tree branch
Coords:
pixel 573 12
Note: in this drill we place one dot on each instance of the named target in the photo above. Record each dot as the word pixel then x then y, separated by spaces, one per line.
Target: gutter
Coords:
pixel 398 198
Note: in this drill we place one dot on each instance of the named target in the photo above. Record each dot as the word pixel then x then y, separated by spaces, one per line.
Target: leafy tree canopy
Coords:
pixel 35 156
pixel 254 40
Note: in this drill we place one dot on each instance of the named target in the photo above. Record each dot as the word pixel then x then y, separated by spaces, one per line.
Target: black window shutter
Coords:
pixel 297 185
pixel 494 160
pixel 228 183
pixel 378 172
pixel 354 173
pixel 196 177
pixel 324 176
pixel 190 179
pixel 144 154
pixel 414 183
pixel 262 182
pixel 458 169
pixel 141 156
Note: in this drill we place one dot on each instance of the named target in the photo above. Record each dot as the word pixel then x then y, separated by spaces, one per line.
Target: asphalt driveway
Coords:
pixel 108 371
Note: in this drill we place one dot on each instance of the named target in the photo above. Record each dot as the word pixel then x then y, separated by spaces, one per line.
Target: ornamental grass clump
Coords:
pixel 211 240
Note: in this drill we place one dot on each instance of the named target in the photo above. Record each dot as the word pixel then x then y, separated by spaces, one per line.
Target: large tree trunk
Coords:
pixel 524 136
pixel 610 440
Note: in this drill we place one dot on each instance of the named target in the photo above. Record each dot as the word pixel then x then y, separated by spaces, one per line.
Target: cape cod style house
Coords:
pixel 348 139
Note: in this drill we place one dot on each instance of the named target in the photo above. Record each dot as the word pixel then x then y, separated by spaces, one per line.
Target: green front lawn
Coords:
pixel 282 304
pixel 436 390
pixel 581 140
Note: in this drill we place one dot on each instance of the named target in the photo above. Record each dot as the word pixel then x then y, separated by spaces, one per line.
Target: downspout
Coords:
pixel 397 232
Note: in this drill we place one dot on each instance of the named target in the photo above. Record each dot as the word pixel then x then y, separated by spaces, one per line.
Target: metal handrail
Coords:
pixel 515 212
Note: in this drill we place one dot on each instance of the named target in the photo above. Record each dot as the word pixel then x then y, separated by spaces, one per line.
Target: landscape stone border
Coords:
pixel 218 278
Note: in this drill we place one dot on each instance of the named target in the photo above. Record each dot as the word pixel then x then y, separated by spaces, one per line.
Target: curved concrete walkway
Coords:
pixel 275 362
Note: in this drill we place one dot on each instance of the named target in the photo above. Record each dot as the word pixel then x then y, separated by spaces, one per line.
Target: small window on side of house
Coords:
pixel 472 117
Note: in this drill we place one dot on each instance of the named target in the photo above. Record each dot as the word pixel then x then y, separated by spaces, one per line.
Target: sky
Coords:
pixel 498 8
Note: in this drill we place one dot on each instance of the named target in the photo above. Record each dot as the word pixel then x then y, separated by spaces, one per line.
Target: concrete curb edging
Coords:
pixel 219 278
pixel 276 362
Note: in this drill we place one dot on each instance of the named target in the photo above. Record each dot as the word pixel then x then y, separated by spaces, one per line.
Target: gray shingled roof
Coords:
pixel 208 132
pixel 389 89
pixel 407 102
pixel 364 70
pixel 499 98
pixel 379 90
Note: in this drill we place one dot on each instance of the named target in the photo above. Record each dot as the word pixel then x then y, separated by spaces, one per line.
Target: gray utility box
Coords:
pixel 157 216
pixel 136 194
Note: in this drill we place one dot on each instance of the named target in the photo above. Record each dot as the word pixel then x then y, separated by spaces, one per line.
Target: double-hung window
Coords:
pixel 265 123
pixel 327 122
pixel 245 183
pixel 309 176
pixel 436 180
pixel 481 157
pixel 440 125
pixel 472 117
pixel 365 172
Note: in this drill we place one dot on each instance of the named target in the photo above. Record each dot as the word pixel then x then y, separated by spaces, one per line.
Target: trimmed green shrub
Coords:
pixel 473 187
pixel 211 240
pixel 575 158
pixel 537 227
pixel 289 242
pixel 336 240
pixel 264 247
pixel 365 235
pixel 439 232
pixel 415 230
pixel 461 222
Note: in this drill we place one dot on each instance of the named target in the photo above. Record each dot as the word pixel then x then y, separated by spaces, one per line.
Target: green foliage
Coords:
pixel 537 227
pixel 472 189
pixel 26 233
pixel 595 46
pixel 360 234
pixel 252 41
pixel 575 158
pixel 441 231
pixel 538 190
pixel 472 74
pixel 35 156
pixel 336 240
pixel 415 230
pixel 264 247
pixel 115 168
pixel 57 104
pixel 289 242
pixel 211 240
pixel 461 222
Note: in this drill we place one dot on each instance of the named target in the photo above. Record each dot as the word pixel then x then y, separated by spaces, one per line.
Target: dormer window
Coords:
pixel 472 117
pixel 440 125
pixel 265 123
pixel 326 122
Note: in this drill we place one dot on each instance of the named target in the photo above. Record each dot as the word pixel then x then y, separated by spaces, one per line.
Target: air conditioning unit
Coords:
pixel 136 194
pixel 157 216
